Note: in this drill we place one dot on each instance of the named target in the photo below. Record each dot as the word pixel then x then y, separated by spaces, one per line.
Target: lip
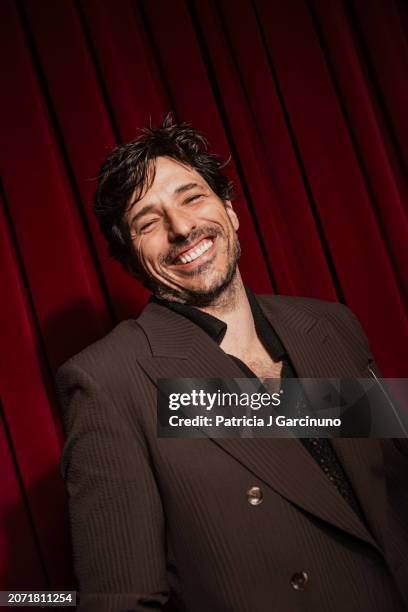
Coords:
pixel 201 259
pixel 192 247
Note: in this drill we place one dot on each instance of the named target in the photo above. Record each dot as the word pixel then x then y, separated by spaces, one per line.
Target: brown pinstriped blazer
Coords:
pixel 165 524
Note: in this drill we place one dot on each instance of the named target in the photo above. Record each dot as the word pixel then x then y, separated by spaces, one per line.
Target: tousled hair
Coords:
pixel 130 168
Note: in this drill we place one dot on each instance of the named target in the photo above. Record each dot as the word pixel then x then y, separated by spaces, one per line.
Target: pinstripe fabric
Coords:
pixel 167 520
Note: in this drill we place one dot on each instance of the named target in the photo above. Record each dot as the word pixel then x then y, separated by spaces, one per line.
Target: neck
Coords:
pixel 234 309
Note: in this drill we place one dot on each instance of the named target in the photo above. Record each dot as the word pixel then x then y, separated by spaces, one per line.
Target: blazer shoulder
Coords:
pixel 312 305
pixel 339 315
pixel 125 343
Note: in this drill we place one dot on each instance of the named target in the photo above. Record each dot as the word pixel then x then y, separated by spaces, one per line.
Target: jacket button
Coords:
pixel 255 496
pixel 299 581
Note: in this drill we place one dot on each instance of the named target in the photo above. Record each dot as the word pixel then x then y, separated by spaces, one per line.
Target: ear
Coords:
pixel 232 214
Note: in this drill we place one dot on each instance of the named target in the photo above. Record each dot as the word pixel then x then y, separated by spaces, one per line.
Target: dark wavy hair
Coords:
pixel 130 168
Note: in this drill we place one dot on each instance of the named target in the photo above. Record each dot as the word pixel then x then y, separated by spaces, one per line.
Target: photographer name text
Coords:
pixel 251 421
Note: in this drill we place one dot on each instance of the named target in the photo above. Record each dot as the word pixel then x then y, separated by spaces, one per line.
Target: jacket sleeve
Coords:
pixel 116 516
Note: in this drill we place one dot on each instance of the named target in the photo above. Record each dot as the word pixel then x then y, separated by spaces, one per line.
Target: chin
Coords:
pixel 210 284
pixel 197 295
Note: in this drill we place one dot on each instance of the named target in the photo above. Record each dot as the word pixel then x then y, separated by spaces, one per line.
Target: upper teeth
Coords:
pixel 196 252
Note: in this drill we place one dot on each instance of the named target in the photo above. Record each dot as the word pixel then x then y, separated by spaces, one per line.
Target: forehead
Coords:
pixel 169 175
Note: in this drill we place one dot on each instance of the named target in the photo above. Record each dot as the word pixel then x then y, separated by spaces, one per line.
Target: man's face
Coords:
pixel 184 235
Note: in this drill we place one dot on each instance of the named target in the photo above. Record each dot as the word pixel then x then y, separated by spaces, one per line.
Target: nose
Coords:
pixel 180 224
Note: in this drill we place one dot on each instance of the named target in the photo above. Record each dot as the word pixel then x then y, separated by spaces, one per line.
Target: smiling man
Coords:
pixel 183 234
pixel 227 525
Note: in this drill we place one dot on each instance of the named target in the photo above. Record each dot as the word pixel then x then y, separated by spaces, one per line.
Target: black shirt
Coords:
pixel 320 448
pixel 216 329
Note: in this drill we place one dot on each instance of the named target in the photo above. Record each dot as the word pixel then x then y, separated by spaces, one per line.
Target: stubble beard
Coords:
pixel 220 293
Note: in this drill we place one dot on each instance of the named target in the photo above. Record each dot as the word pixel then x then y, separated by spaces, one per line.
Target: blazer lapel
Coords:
pixel 180 349
pixel 317 352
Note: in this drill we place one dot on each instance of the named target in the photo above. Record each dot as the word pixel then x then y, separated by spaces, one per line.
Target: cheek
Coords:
pixel 216 216
pixel 213 211
pixel 141 249
pixel 232 218
pixel 148 252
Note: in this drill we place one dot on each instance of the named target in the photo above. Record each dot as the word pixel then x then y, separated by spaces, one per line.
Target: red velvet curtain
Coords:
pixel 309 97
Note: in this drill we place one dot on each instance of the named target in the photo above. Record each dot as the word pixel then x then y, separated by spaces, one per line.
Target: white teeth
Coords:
pixel 192 255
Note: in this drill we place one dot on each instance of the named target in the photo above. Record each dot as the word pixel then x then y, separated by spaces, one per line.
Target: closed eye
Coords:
pixel 146 226
pixel 193 198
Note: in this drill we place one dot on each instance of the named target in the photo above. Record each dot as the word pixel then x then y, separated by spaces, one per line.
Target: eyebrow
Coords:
pixel 185 187
pixel 143 211
pixel 149 207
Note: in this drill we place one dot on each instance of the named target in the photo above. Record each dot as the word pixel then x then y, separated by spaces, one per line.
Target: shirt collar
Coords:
pixel 216 328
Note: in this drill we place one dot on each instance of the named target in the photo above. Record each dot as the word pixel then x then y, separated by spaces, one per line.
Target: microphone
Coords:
pixel 388 398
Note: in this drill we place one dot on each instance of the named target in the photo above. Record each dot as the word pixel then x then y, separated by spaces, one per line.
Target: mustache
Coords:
pixel 185 243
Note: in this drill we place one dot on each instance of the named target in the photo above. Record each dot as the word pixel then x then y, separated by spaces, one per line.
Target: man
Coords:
pixel 216 524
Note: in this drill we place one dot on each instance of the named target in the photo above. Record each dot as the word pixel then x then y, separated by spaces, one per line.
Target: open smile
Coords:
pixel 197 254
